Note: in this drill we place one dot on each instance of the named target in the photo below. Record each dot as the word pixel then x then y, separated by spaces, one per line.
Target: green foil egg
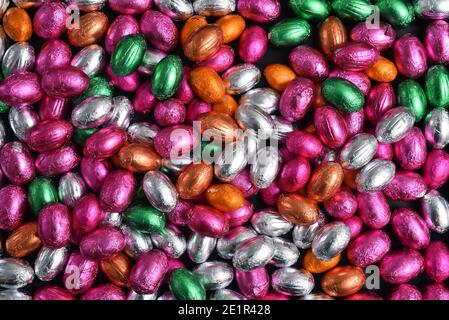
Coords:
pixel 98 86
pixel 4 108
pixel 342 94
pixel 312 10
pixel 144 218
pixel 185 285
pixel 41 192
pixel 411 95
pixel 289 32
pixel 128 54
pixel 437 86
pixel 167 76
pixel 355 10
pixel 399 13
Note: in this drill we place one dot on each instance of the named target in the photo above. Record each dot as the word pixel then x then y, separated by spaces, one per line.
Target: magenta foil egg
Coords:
pixel 436 169
pixel 57 162
pixel 105 142
pixel 401 266
pixel 243 182
pixel 294 175
pixel 54 225
pixel 130 6
pixel 330 126
pixel 53 293
pixel 381 36
pixel 128 83
pixel 406 186
pixel 410 56
pixel 269 195
pixel 260 11
pixel 185 92
pixel 253 284
pixel 410 228
pixel 54 53
pixel 148 272
pixel 169 112
pixel 359 79
pixel 296 99
pixel 384 151
pixel 354 122
pixel 86 215
pixel 411 151
pixel 94 171
pixel 253 44
pixel 342 205
pixel 102 243
pixel 304 144
pixel 355 56
pixel 13 208
pixel 373 209
pixel 436 261
pixel 21 89
pixel 196 108
pixel 144 100
pixel 50 20
pixel 49 135
pixel 117 191
pixel 437 42
pixel 241 215
pixel 208 221
pixel 435 291
pixel 172 265
pixel 368 248
pixel 179 140
pixel 221 61
pixel 53 108
pixel 79 273
pixel 405 292
pixel 16 163
pixel 106 291
pixel 355 224
pixel 180 215
pixel 380 99
pixel 122 26
pixel 309 62
pixel 159 30
pixel 64 82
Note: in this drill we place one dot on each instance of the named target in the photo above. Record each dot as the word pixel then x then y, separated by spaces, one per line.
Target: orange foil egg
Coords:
pixel 343 281
pixel 225 197
pixel 383 70
pixel 313 265
pixel 220 125
pixel 333 35
pixel 232 27
pixel 203 43
pixel 92 28
pixel 117 269
pixel 226 105
pixel 297 209
pixel 17 24
pixel 207 84
pixel 349 178
pixel 325 181
pixel 318 99
pixel 190 26
pixel 194 180
pixel 140 158
pixel 278 76
pixel 23 241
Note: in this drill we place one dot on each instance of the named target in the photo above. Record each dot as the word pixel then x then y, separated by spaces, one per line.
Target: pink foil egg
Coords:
pixel 79 273
pixel 436 261
pixel 105 142
pixel 106 291
pixel 411 151
pixel 169 112
pixel 144 100
pixel 381 36
pixel 259 11
pixel 64 82
pixel 54 225
pixel 309 62
pixel 208 221
pixel 405 292
pixel 359 79
pixel 401 266
pixel 94 171
pixel 102 243
pixel 129 83
pixel 57 162
pixel 179 139
pixel 148 272
pixel 330 126
pixel 243 182
pixel 16 163
pixel 117 191
pixel 159 30
pixel 355 56
pixel 221 61
pixel 130 6
pixel 384 151
pixel 49 135
pixel 304 144
pixel 50 20
pixel 294 175
pixel 410 228
pixel 296 99
pixel 354 122
pixel 368 248
pixel 410 56
pixel 342 205
pixel 185 92
pixel 123 25
pixel 21 89
pixel 364 296
pixel 51 108
pixel 54 53
pixel 436 169
pixel 241 215
pixel 253 44
pixel 253 284
pixel 180 215
pixel 435 291
pixel 274 296
pixel 380 98
pixel 13 208
pixel 53 293
pixel 86 215
pixel 269 195
pixel 196 108
pixel 373 209
pixel 406 186
pixel 355 224
pixel 437 42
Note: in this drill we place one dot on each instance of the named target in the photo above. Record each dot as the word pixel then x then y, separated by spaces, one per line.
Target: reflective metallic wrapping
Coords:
pixel 226 294
pixel 17 58
pixel 270 223
pixel 92 112
pixel 227 245
pixel 15 273
pixel 137 243
pixel 171 241
pixel 266 99
pixel 304 235
pixel 357 152
pixel 175 9
pixel 231 161
pixel 331 240
pixel 291 281
pixel 199 247
pixel 375 176
pixel 253 253
pixel 432 9
pixel 160 191
pixel 50 262
pixel 21 119
pixel 241 78
pixel 264 170
pixel 12 294
pixel 250 117
pixel 286 253
pixel 437 128
pixel 214 8
pixel 215 275
pixel 435 211
pixel 71 188
pixel 91 60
